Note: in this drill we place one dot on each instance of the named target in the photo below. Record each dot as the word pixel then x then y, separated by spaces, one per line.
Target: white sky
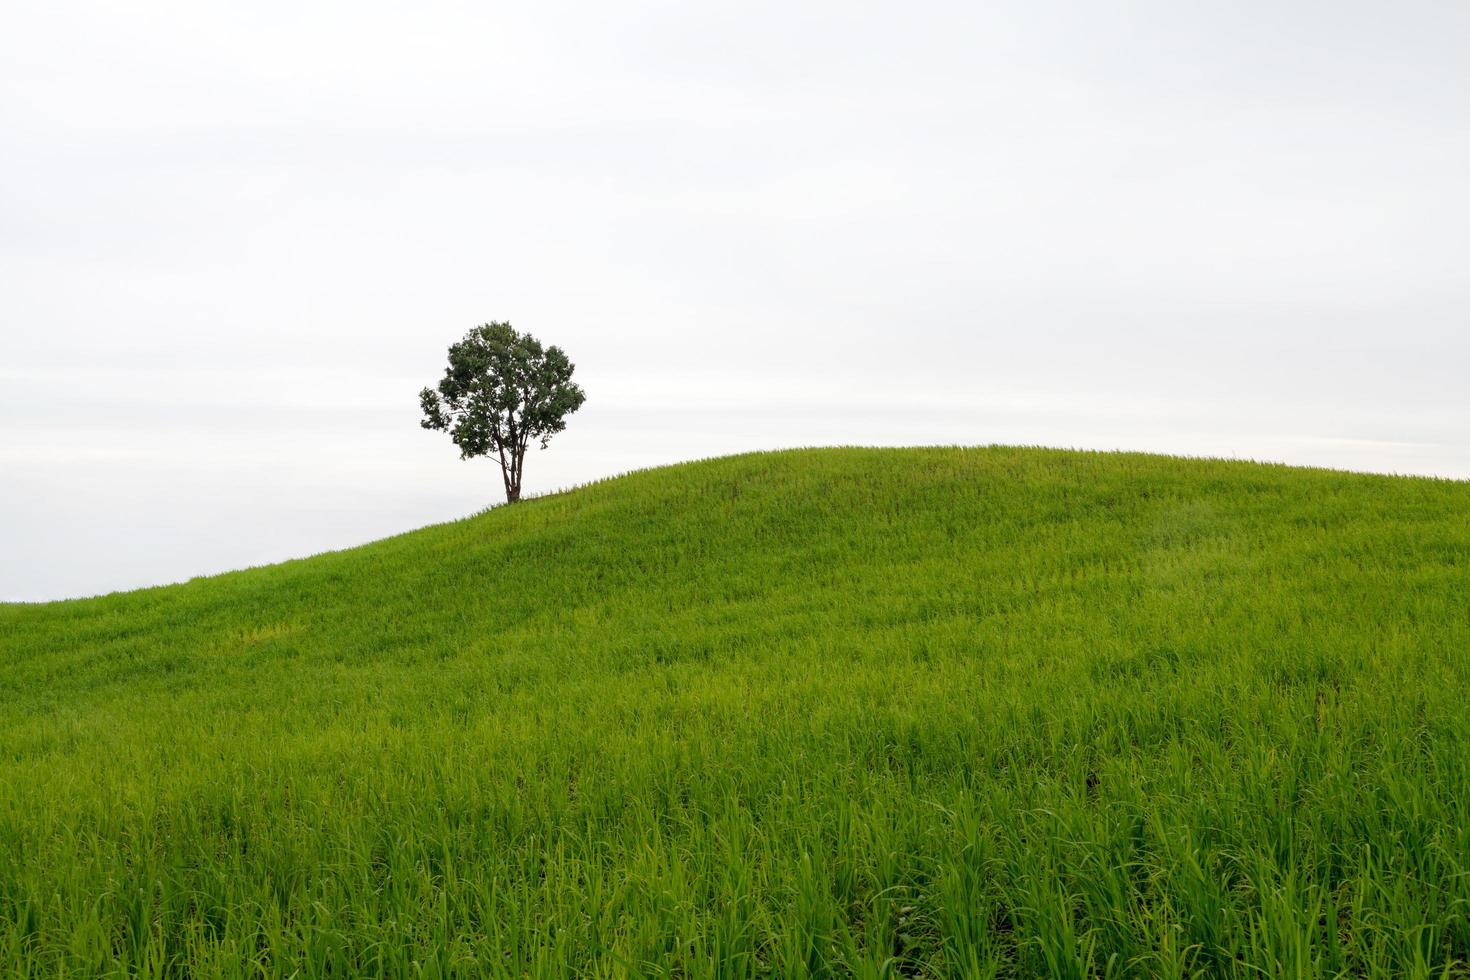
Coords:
pixel 236 239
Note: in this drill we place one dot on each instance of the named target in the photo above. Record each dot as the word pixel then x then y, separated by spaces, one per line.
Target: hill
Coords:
pixel 831 712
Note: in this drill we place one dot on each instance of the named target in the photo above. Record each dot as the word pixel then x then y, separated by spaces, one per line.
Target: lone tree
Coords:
pixel 501 392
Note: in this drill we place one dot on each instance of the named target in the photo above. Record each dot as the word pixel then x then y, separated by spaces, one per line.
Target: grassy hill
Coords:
pixel 832 712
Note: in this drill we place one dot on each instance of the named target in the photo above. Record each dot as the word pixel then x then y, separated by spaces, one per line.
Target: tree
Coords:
pixel 501 392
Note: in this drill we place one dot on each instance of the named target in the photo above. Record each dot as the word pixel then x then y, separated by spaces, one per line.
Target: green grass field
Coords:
pixel 929 712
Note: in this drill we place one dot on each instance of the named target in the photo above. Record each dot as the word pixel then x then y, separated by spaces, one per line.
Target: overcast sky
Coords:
pixel 236 239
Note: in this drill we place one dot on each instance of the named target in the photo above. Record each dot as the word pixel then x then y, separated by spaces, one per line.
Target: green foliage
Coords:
pixel 501 392
pixel 873 713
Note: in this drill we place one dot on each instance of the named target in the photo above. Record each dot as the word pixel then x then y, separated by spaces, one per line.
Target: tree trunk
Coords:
pixel 510 473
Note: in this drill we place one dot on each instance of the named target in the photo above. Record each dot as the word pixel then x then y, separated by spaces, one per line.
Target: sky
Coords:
pixel 237 239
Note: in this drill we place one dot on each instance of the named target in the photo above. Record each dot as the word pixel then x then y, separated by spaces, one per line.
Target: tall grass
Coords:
pixel 873 713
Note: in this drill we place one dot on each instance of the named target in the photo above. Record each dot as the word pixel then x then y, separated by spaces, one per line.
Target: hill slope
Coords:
pixel 935 712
